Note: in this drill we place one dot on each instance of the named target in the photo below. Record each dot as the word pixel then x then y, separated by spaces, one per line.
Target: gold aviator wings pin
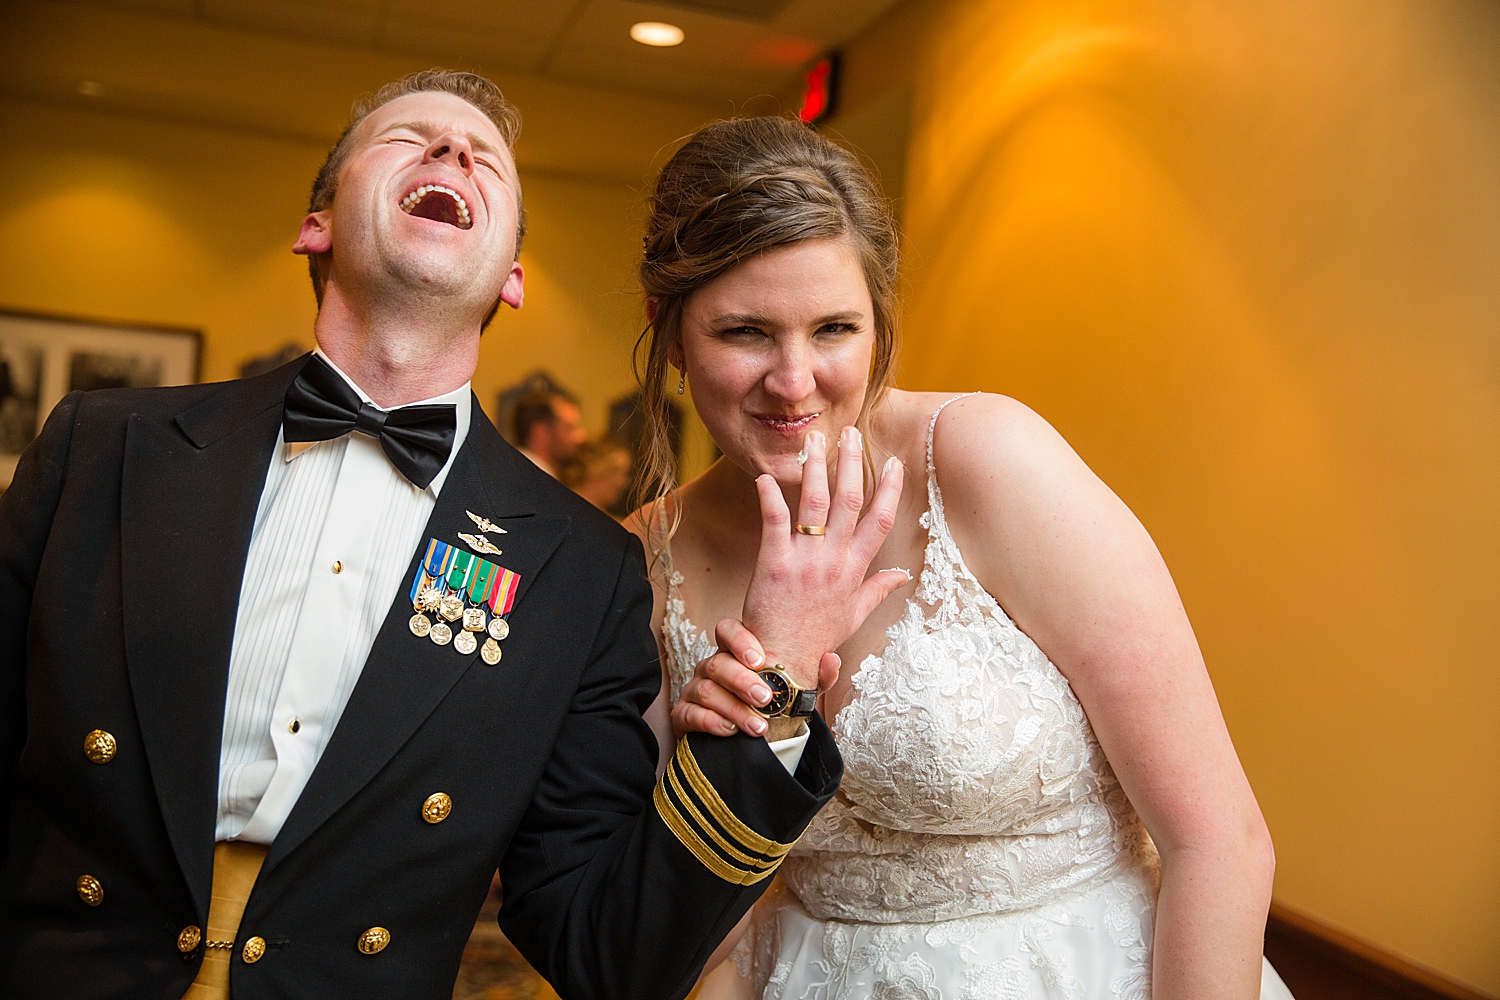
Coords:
pixel 485 524
pixel 480 544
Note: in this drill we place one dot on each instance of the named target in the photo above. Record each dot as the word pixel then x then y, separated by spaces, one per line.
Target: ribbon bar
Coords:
pixel 453 571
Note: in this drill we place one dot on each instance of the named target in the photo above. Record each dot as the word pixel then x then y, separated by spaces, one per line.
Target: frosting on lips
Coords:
pixel 438 203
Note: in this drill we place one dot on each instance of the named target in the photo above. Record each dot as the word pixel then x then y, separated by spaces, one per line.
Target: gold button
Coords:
pixel 89 890
pixel 99 747
pixel 374 940
pixel 338 567
pixel 437 807
pixel 294 726
pixel 188 939
pixel 253 950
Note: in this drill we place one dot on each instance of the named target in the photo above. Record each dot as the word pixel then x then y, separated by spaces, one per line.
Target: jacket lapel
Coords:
pixel 405 678
pixel 189 492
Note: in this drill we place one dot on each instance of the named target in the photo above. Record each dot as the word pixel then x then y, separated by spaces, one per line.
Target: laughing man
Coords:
pixel 290 666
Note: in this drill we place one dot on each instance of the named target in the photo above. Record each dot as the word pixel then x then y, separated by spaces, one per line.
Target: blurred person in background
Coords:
pixel 548 430
pixel 598 471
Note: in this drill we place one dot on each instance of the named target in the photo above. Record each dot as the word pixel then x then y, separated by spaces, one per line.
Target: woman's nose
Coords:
pixel 452 148
pixel 791 379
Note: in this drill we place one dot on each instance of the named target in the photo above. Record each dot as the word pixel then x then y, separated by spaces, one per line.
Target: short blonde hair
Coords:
pixel 471 87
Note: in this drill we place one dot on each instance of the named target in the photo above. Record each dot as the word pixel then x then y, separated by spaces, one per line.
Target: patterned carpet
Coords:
pixel 493 969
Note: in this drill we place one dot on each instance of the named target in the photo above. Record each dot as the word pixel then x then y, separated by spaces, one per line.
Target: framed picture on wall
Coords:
pixel 43 358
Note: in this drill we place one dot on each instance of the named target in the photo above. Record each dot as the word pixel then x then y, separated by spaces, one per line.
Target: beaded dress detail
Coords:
pixel 979 845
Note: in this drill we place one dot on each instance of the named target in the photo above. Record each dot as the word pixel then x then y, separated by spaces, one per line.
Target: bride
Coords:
pixel 1040 797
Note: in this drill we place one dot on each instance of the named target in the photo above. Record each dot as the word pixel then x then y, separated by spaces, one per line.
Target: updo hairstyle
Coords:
pixel 736 189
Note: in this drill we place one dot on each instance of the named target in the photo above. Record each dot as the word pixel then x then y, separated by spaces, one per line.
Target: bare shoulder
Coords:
pixel 639 521
pixel 995 443
pixel 989 450
pixel 1021 504
pixel 900 424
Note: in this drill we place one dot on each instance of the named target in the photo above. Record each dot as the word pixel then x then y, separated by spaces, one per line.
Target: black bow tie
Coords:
pixel 320 406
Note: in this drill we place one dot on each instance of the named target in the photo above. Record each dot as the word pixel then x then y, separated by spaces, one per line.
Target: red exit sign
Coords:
pixel 820 92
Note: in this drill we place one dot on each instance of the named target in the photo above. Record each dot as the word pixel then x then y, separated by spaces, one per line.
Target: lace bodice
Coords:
pixel 973 783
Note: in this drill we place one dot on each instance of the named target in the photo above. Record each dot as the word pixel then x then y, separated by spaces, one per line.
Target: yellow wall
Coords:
pixel 202 238
pixel 174 198
pixel 1246 257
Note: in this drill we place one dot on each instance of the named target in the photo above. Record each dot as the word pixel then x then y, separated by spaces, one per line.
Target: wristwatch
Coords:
pixel 787 699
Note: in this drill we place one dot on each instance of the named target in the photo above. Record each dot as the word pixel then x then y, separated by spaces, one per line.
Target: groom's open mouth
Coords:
pixel 438 203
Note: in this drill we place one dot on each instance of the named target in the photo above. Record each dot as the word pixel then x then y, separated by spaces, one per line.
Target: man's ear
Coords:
pixel 513 292
pixel 316 235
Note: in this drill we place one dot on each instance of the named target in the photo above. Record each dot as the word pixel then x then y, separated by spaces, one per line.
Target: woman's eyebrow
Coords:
pixel 430 128
pixel 752 319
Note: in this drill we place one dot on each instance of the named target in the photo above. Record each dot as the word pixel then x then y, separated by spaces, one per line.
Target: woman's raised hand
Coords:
pixel 808 593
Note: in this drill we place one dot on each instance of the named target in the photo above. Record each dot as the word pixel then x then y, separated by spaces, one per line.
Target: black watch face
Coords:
pixel 781 692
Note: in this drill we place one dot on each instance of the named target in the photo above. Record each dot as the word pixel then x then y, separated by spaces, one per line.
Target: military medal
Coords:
pixel 461 587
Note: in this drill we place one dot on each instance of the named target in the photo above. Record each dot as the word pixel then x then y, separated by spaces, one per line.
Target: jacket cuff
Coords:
pixel 731 803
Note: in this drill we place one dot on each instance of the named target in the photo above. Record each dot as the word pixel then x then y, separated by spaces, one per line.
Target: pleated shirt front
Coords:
pixel 334 533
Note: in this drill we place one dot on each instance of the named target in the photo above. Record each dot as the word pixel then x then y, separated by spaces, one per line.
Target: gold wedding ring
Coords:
pixel 812 529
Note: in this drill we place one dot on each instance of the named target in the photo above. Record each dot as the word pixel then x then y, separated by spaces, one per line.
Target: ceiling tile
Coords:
pixel 705 82
pixel 454 45
pixel 745 10
pixel 175 8
pixel 520 18
pixel 832 22
pixel 354 22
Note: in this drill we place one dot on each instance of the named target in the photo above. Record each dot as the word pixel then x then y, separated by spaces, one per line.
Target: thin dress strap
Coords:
pixel 943 570
pixel 934 495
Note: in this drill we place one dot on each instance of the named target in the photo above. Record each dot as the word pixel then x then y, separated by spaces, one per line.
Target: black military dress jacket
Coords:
pixel 123 541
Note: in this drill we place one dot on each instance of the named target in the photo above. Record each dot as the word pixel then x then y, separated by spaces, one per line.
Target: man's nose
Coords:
pixel 451 148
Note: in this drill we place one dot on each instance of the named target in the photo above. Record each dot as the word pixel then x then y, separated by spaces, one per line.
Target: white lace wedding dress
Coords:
pixel 979 846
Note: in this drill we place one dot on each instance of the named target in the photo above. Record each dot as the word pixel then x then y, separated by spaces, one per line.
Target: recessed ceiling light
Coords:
pixel 657 33
pixel 88 88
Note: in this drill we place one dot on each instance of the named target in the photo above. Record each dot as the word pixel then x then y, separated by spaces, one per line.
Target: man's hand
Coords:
pixel 718 698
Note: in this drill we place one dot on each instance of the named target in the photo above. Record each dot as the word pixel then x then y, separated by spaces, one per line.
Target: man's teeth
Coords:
pixel 410 201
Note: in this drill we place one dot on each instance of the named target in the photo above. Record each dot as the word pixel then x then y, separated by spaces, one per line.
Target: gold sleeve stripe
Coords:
pixel 699 783
pixel 690 839
pixel 708 828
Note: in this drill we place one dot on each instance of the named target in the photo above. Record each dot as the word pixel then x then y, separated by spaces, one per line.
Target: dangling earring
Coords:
pixel 682 383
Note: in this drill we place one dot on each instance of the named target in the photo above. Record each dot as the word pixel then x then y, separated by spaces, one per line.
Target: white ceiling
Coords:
pixel 735 49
